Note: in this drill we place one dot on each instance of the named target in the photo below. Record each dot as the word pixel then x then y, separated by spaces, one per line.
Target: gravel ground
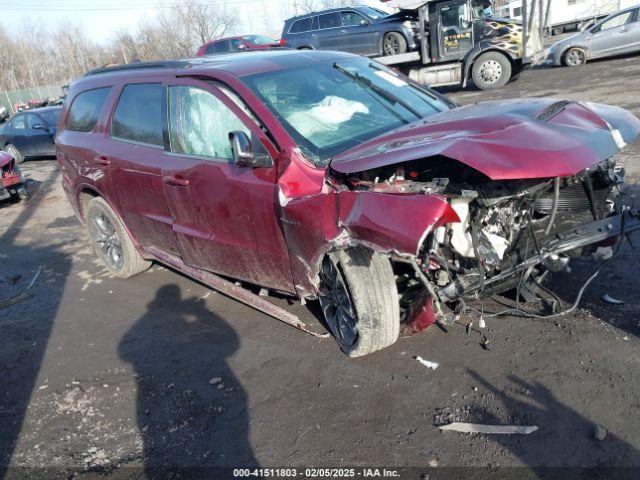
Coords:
pixel 109 376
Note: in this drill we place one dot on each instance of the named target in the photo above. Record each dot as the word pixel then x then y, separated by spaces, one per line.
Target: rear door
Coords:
pixel 329 36
pixel 225 216
pixel 613 36
pixel 132 153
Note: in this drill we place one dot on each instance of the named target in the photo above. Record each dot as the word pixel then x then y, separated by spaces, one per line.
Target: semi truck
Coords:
pixel 462 40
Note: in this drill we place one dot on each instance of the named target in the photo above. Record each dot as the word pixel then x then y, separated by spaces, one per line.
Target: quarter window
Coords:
pixel 86 109
pixel 329 20
pixel 299 26
pixel 199 123
pixel 138 115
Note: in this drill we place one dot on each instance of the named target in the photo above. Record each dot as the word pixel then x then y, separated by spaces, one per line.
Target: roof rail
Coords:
pixel 138 65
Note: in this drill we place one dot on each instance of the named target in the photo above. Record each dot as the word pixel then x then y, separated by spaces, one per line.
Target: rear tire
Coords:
pixel 491 70
pixel 111 241
pixel 14 152
pixel 360 300
pixel 394 43
pixel 574 57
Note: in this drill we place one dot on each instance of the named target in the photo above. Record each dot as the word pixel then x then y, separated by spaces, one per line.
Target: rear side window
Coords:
pixel 329 20
pixel 86 109
pixel 221 47
pixel 299 26
pixel 138 115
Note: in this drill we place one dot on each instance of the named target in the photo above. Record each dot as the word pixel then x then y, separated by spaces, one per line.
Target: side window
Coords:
pixel 617 21
pixel 221 46
pixel 86 109
pixel 199 123
pixel 18 123
pixel 299 26
pixel 210 49
pixel 350 19
pixel 33 120
pixel 138 115
pixel 329 20
pixel 237 45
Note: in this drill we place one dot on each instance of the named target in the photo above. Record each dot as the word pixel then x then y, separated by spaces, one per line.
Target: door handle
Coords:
pixel 176 181
pixel 102 160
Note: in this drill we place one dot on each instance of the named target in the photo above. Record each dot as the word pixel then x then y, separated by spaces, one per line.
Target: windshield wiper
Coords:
pixel 388 96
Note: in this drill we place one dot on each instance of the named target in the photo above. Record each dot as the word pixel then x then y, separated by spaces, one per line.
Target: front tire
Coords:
pixel 14 152
pixel 394 43
pixel 491 70
pixel 360 301
pixel 111 242
pixel 574 57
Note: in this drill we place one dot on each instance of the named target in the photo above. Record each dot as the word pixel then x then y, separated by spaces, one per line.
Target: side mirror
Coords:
pixel 364 23
pixel 243 152
pixel 40 126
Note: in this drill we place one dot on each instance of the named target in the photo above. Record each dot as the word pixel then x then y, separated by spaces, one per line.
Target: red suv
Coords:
pixel 324 175
pixel 244 43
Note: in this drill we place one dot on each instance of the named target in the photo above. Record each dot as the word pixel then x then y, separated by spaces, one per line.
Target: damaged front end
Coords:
pixel 528 188
pixel 493 235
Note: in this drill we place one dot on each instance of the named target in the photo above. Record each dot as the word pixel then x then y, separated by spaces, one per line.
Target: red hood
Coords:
pixel 516 139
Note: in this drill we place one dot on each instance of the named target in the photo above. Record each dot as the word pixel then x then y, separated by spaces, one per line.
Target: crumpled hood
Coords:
pixel 505 140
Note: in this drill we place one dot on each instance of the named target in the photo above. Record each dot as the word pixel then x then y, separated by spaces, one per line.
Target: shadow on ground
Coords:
pixel 25 326
pixel 191 409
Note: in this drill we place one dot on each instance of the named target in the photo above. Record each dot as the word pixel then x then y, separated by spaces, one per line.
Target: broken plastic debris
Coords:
pixel 481 323
pixel 427 363
pixel 613 301
pixel 497 429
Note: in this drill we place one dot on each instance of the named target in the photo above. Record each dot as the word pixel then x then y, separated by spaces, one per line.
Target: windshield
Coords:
pixel 483 12
pixel 373 13
pixel 51 116
pixel 328 108
pixel 259 40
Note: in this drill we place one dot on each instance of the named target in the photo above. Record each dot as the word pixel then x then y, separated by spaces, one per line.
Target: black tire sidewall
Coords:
pixel 504 62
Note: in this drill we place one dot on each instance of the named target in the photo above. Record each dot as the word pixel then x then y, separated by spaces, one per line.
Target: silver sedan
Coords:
pixel 617 34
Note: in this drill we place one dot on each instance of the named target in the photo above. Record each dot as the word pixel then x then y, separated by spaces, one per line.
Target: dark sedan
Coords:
pixel 31 134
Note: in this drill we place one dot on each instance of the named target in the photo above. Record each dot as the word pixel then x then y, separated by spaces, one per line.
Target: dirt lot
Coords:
pixel 103 375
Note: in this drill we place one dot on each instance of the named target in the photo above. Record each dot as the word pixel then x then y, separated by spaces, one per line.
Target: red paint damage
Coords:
pixel 10 175
pixel 504 140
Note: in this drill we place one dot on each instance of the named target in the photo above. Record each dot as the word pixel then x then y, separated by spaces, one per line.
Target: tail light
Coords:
pixel 283 42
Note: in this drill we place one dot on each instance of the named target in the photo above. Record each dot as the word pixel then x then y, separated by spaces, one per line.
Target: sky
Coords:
pixel 100 19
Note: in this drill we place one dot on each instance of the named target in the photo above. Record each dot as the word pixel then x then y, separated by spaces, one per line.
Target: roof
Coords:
pixel 325 10
pixel 238 64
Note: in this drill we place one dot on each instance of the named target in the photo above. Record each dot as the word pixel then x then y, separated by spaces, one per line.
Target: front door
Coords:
pixel 20 134
pixel 359 34
pixel 329 35
pixel 225 216
pixel 41 137
pixel 455 30
pixel 132 154
pixel 614 36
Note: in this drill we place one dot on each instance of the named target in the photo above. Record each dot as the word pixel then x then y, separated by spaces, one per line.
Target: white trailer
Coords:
pixel 565 15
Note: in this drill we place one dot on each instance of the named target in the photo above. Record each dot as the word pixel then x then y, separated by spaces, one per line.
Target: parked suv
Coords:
pixel 362 30
pixel 323 175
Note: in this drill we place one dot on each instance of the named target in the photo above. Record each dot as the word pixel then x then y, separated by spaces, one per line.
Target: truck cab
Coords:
pixel 462 39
